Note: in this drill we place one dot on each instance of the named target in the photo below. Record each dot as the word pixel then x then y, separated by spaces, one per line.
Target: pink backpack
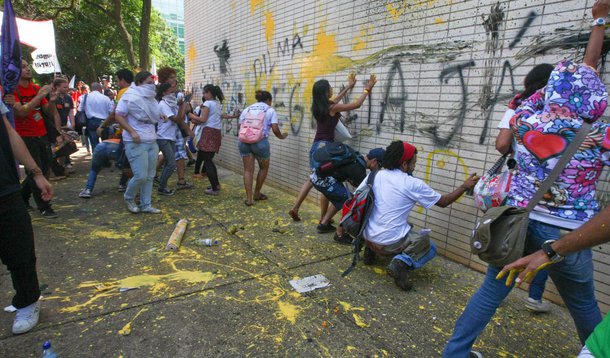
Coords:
pixel 252 129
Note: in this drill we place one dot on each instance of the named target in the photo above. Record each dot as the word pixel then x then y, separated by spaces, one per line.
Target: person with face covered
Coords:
pixel 138 112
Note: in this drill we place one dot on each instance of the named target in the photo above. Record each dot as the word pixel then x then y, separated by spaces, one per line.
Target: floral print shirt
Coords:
pixel 543 127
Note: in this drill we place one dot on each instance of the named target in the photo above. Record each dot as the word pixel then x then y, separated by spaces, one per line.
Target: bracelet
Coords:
pixel 367 91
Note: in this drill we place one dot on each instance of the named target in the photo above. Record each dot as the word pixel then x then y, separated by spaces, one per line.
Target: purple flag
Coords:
pixel 10 69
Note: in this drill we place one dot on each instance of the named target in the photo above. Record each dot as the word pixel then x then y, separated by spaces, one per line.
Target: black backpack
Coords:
pixel 340 161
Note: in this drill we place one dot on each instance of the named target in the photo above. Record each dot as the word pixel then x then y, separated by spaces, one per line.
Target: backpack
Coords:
pixel 340 161
pixel 251 130
pixel 356 212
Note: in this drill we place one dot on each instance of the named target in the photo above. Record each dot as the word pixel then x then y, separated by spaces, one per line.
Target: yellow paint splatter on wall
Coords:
pixel 398 10
pixel 269 29
pixel 360 42
pixel 255 4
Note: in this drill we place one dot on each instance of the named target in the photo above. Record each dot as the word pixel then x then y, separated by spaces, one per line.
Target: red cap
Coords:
pixel 408 152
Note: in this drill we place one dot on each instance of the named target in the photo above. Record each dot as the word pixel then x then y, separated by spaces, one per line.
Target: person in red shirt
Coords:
pixel 30 101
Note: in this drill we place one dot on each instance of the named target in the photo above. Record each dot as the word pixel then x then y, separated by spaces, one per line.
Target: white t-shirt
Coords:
pixel 270 115
pixel 214 120
pixel 166 129
pixel 98 105
pixel 146 131
pixel 396 193
pixel 505 121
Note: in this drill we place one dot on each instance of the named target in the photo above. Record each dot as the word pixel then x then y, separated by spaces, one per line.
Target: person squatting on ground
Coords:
pixel 536 79
pixel 210 119
pixel 97 107
pixel 327 113
pixel 593 233
pixel 574 94
pixel 28 102
pixel 396 191
pixel 104 154
pixel 261 150
pixel 138 112
pixel 16 233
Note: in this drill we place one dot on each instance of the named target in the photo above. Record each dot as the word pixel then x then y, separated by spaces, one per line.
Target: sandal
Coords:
pixel 261 196
pixel 248 203
pixel 294 215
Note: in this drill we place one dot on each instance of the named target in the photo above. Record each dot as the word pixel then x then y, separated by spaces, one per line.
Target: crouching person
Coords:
pixel 103 155
pixel 396 191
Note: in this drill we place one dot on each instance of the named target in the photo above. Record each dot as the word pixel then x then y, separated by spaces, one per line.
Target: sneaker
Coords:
pixel 369 256
pixel 150 210
pixel 86 194
pixel 48 213
pixel 121 188
pixel 165 191
pixel 184 185
pixel 26 318
pixel 69 166
pixel 344 239
pixel 212 192
pixel 324 228
pixel 132 206
pixel 475 354
pixel 537 305
pixel 399 271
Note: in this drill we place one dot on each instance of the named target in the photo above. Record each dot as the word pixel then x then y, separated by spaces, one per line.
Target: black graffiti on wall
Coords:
pixel 394 98
pixel 223 53
pixel 289 48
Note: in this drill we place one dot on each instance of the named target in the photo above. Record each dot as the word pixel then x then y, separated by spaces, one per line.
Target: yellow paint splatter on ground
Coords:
pixel 126 330
pixel 359 321
pixel 269 29
pixel 348 307
pixel 107 234
pixel 289 311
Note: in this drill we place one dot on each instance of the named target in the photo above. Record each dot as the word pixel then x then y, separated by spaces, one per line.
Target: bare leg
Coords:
pixel 248 177
pixel 263 169
pixel 294 211
pixel 180 169
pixel 329 214
pixel 324 207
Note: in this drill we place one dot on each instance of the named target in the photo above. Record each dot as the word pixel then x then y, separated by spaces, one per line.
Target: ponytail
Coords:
pixel 215 91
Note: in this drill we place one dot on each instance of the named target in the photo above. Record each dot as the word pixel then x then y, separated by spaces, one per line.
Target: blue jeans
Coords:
pixel 536 289
pixel 261 150
pixel 102 155
pixel 92 125
pixel 314 146
pixel 143 161
pixel 573 278
pixel 168 148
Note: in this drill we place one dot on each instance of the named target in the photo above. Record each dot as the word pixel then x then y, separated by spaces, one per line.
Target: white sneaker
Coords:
pixel 132 206
pixel 537 306
pixel 26 318
pixel 86 193
pixel 150 210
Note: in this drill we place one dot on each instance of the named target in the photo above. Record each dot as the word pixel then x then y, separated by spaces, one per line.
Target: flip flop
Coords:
pixel 261 196
pixel 247 203
pixel 294 215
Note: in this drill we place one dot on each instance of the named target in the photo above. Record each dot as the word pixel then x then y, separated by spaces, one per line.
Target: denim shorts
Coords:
pixel 332 189
pixel 260 150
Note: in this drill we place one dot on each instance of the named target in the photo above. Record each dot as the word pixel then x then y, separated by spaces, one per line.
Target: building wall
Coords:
pixel 445 69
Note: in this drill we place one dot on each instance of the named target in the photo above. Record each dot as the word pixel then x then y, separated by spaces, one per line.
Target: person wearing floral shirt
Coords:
pixel 543 127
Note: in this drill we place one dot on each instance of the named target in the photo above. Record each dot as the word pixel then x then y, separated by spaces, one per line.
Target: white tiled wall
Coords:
pixel 420 40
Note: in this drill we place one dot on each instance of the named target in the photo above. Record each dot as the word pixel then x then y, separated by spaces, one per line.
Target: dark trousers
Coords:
pixel 208 167
pixel 17 249
pixel 41 152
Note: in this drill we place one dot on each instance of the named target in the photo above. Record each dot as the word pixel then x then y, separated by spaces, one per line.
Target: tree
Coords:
pixel 144 32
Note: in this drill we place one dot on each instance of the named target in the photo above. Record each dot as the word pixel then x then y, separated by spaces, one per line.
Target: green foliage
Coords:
pixel 88 41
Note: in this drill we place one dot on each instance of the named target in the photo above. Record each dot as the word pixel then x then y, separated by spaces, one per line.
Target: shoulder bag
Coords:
pixel 498 237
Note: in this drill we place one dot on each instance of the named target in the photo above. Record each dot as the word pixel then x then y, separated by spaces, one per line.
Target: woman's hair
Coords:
pixel 161 90
pixel 320 103
pixel 164 73
pixel 141 77
pixel 263 96
pixel 536 79
pixel 393 154
pixel 215 91
pixel 58 81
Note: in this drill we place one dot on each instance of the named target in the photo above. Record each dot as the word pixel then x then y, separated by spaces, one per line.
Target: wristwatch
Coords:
pixel 599 22
pixel 548 250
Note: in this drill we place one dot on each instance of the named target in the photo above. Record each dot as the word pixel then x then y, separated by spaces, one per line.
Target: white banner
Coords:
pixel 45 62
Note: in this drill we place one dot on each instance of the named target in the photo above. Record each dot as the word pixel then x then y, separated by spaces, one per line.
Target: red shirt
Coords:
pixel 31 125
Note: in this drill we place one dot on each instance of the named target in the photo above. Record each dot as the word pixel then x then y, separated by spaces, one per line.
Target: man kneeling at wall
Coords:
pixel 388 232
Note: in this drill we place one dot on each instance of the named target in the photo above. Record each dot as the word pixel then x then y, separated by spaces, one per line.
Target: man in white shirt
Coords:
pixel 97 107
pixel 396 191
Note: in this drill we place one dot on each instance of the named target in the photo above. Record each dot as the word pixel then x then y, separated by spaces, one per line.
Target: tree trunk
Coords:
pixel 144 31
pixel 125 36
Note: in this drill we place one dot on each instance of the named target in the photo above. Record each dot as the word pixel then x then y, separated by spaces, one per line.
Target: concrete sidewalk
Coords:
pixel 234 299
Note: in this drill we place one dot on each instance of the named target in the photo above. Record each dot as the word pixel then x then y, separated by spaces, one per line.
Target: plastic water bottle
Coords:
pixel 47 351
pixel 210 242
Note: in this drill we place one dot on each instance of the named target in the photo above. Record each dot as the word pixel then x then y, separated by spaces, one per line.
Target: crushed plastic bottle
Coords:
pixel 47 351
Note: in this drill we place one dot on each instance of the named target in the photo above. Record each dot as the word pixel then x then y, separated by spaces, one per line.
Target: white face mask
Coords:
pixel 149 86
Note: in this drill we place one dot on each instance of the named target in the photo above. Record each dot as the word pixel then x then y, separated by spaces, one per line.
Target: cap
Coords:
pixel 377 153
